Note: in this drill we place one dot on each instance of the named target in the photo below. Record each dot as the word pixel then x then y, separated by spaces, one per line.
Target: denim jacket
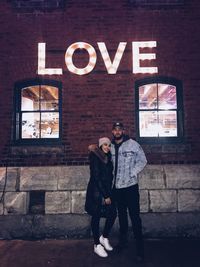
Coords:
pixel 131 161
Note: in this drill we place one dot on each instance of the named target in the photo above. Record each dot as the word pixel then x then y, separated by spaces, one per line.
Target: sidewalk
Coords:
pixel 79 253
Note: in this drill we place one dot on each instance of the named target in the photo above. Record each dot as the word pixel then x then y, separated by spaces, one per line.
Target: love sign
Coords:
pixel 111 66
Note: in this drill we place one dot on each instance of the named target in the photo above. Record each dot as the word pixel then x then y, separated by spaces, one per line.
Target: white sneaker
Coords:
pixel 105 242
pixel 99 250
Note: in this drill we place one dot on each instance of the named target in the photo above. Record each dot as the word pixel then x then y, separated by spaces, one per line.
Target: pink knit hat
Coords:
pixel 104 140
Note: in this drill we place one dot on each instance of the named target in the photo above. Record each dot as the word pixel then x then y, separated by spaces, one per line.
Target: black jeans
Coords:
pixel 108 224
pixel 128 199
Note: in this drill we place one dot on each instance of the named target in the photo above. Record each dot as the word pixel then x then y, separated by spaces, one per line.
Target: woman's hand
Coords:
pixel 107 201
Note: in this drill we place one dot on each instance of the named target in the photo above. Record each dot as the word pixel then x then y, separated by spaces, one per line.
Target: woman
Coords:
pixel 99 195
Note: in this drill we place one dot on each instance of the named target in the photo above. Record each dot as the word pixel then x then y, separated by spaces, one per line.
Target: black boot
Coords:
pixel 139 250
pixel 122 244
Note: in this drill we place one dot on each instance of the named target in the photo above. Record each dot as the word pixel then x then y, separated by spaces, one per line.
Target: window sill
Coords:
pixel 37 150
pixel 167 148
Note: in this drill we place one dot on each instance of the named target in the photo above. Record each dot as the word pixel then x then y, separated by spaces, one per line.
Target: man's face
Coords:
pixel 118 133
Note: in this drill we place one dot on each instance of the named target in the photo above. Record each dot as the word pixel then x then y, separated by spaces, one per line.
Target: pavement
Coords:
pixel 79 253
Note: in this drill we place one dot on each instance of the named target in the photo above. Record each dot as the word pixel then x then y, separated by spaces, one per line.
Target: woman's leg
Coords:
pixel 111 216
pixel 98 248
pixel 95 228
pixel 110 220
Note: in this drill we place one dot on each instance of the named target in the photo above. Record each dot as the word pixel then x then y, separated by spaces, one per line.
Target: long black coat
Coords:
pixel 100 183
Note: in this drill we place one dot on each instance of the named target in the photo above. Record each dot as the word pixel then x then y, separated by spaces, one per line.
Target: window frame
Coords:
pixel 19 86
pixel 179 110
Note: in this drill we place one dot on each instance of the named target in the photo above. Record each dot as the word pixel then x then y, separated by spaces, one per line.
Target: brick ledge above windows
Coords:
pixel 156 2
pixel 37 5
pixel 167 148
pixel 37 150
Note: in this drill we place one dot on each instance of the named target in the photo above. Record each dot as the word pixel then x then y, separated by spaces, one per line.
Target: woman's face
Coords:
pixel 105 148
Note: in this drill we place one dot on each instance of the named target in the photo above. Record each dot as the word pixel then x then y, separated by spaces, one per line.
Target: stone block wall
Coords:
pixel 169 198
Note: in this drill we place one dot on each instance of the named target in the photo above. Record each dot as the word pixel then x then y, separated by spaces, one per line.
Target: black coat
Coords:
pixel 100 183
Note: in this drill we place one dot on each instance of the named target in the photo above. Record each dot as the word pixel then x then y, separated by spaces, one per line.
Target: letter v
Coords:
pixel 112 66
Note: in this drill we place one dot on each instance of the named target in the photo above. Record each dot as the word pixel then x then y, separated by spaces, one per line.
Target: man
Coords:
pixel 128 160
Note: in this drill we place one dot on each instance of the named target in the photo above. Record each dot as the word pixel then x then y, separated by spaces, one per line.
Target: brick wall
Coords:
pixel 91 103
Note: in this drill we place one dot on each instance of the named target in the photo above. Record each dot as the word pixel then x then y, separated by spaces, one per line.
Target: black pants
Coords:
pixel 108 224
pixel 128 199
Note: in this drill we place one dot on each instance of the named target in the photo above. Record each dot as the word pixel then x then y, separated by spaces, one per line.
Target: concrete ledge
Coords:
pixel 44 226
pixel 16 203
pixel 11 182
pixel 188 200
pixel 57 202
pixel 76 226
pixel 169 201
pixel 163 200
pixel 158 225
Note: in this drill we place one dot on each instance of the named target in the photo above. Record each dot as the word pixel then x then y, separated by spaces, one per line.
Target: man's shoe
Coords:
pixel 139 250
pixel 122 244
pixel 139 259
pixel 105 242
pixel 99 250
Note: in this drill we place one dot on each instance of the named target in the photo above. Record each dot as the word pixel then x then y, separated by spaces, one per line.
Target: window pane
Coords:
pixel 30 125
pixel 50 125
pixel 168 122
pixel 30 98
pixel 148 121
pixel 167 96
pixel 158 124
pixel 49 98
pixel 148 96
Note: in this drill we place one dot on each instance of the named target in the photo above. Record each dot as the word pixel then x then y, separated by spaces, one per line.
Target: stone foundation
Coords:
pixel 169 198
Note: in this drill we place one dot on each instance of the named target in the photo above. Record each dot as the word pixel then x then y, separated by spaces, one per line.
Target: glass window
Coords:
pixel 38 111
pixel 159 109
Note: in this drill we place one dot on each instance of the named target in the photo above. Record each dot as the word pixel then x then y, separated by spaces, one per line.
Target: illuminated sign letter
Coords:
pixel 41 62
pixel 92 58
pixel 137 57
pixel 112 67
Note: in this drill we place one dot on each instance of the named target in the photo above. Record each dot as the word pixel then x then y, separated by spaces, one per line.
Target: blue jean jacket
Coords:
pixel 131 161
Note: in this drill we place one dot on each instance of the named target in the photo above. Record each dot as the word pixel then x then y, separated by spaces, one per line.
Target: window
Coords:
pixel 159 110
pixel 38 108
pixel 37 202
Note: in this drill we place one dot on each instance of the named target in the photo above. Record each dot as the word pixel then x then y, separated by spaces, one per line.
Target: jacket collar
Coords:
pixel 99 153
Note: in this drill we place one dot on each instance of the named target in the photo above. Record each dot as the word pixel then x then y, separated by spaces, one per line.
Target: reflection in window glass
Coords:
pixel 49 98
pixel 158 123
pixel 167 96
pixel 50 125
pixel 49 105
pixel 30 98
pixel 148 96
pixel 31 125
pixel 39 112
pixel 158 110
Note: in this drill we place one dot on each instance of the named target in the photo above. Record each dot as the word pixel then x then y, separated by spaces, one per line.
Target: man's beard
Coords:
pixel 118 137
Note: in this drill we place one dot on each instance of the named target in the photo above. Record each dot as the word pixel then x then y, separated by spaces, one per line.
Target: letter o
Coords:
pixel 92 58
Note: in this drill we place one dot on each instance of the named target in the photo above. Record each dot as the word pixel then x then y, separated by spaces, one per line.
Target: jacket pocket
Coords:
pixel 129 162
